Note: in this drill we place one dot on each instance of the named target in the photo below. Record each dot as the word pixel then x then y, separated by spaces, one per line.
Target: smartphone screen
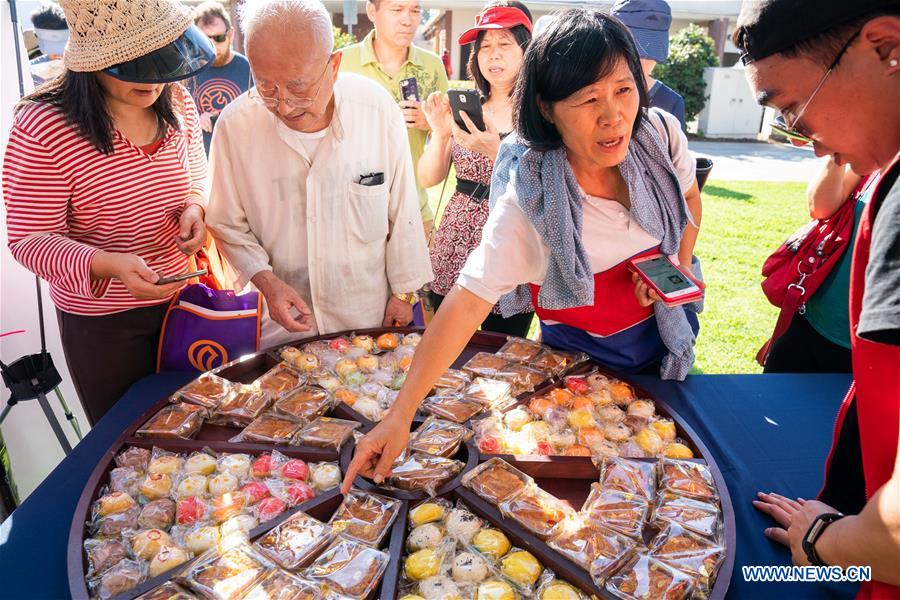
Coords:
pixel 666 276
pixel 409 89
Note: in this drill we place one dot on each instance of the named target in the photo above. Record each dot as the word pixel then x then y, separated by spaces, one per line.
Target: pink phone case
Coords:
pixel 668 301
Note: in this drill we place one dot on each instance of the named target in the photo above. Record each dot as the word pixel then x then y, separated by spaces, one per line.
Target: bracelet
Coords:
pixel 815 531
pixel 409 298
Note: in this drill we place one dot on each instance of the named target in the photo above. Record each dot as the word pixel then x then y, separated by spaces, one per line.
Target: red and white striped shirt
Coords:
pixel 65 201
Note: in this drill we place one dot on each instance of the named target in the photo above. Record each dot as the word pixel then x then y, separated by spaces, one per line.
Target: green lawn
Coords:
pixel 743 222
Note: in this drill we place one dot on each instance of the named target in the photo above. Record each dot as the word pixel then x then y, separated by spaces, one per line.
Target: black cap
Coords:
pixel 767 27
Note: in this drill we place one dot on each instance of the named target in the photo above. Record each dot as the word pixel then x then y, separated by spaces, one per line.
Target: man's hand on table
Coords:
pixel 282 301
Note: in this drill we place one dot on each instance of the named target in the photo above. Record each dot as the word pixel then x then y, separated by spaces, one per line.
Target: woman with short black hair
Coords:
pixel 591 180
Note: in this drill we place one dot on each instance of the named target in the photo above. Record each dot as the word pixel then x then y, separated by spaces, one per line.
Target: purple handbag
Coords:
pixel 206 328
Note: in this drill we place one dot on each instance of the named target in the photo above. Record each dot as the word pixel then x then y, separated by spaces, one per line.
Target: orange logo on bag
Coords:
pixel 207 354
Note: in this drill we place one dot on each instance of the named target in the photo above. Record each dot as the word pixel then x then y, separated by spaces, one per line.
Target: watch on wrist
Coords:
pixel 815 531
pixel 410 298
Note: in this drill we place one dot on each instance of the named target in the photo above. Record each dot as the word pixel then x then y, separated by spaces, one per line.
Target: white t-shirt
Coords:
pixel 512 252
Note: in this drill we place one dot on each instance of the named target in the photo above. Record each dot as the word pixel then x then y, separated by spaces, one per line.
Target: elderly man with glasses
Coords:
pixel 313 194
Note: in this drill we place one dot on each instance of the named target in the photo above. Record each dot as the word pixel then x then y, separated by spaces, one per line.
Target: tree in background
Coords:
pixel 690 51
pixel 342 39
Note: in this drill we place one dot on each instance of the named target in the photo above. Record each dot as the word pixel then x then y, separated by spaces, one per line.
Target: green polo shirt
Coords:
pixel 425 66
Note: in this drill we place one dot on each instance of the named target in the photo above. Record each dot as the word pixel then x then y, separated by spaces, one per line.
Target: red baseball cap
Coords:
pixel 495 17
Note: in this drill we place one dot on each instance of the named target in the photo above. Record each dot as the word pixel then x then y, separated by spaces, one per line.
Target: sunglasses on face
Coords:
pixel 222 37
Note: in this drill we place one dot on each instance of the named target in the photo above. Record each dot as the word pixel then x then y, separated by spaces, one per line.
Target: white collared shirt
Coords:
pixel 345 247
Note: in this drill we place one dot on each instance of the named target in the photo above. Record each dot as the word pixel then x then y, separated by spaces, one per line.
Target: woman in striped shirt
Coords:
pixel 104 180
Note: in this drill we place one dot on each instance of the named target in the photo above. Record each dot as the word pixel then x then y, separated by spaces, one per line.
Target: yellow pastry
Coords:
pixel 156 485
pixel 649 441
pixel 200 464
pixel 426 513
pixel 495 590
pixel 560 590
pixel 422 564
pixel 665 429
pixel 677 450
pixel 167 558
pixel 114 503
pixel 521 567
pixel 147 543
pixel 192 485
pixel 164 464
pixel 491 541
pixel 578 419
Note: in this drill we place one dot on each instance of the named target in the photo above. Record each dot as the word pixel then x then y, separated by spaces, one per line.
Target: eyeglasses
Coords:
pixel 270 101
pixel 790 131
pixel 219 38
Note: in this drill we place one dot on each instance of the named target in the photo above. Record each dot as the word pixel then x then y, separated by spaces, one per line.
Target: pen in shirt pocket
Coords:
pixel 371 179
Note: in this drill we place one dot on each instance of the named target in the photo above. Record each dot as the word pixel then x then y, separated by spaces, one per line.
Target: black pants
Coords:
pixel 107 354
pixel 802 349
pixel 516 325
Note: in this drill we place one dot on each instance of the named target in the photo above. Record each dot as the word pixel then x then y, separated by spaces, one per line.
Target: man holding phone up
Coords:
pixel 388 56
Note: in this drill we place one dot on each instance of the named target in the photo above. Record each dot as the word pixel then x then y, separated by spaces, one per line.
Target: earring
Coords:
pixel 893 62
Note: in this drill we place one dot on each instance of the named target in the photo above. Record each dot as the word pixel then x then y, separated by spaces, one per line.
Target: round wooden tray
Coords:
pixel 566 477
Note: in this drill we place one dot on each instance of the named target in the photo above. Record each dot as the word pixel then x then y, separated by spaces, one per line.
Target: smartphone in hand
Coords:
pixel 468 101
pixel 671 284
pixel 409 89
pixel 182 277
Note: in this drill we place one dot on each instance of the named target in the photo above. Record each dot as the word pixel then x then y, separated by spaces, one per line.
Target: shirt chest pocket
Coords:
pixel 368 212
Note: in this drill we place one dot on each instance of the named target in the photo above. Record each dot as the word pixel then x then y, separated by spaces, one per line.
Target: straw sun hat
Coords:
pixel 104 33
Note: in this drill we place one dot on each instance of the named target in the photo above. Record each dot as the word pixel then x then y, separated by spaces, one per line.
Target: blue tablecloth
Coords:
pixel 767 433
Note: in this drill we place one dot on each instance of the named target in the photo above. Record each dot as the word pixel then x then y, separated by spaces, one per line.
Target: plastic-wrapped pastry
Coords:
pixel 349 568
pixel 423 564
pixel 269 429
pixel 520 349
pixel 495 589
pixel 485 364
pixel 302 361
pixel 156 485
pixel 554 589
pixel 222 484
pixel 114 524
pixel 452 379
pixel 192 485
pixel 238 526
pixel 200 463
pixel 145 544
pixel 438 437
pixel 692 514
pixel 190 510
pixel 468 567
pixel 452 406
pixel 411 339
pixel 326 432
pixel 492 393
pixel 159 514
pixel 557 362
pixel 621 392
pixel 111 504
pixel 281 585
pixel 642 409
pixel 103 554
pixel 632 476
pixel 206 391
pixel 439 588
pixel 645 578
pixel 279 381
pixel 522 378
pixel 226 575
pixel 241 407
pixel 175 421
pixel 678 450
pixel 649 441
pixel 427 512
pixel 164 462
pixel 620 511
pixel 491 542
pixel 365 517
pixel 585 543
pixel 295 468
pixel 462 525
pixel 167 591
pixel 134 457
pixel 687 479
pixel 429 535
pixel 120 578
pixel 536 510
pixel 255 491
pixel 366 342
pixel 236 464
pixel 521 567
pixel 304 404
pixel 201 539
pixel 665 428
pixel 295 542
pixel 495 480
pixel 226 506
pixel 687 552
pixel 423 472
pixel 324 476
pixel 166 559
